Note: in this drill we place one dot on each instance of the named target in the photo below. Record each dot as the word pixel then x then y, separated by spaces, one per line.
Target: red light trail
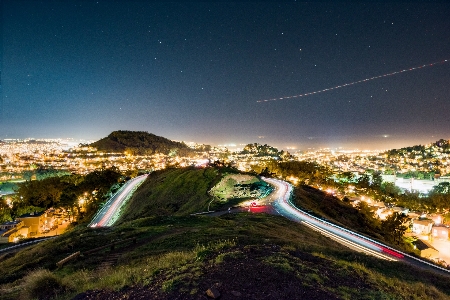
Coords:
pixel 355 82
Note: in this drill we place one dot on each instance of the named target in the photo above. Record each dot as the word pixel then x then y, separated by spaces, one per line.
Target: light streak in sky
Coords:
pixel 354 82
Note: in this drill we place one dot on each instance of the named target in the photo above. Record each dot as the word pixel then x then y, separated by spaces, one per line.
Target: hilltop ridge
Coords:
pixel 140 143
pixel 427 151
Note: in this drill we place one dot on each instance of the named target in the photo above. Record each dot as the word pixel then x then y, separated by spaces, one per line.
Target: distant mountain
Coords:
pixel 140 143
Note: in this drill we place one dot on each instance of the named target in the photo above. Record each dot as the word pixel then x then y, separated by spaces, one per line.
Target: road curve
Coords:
pixel 281 201
pixel 108 214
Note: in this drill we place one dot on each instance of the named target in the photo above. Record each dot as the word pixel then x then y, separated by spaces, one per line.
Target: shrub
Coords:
pixel 42 284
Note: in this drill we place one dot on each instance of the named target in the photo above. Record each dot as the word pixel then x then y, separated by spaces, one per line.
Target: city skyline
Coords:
pixel 196 71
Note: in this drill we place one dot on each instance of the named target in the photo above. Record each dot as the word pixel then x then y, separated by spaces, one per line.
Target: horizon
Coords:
pixel 293 147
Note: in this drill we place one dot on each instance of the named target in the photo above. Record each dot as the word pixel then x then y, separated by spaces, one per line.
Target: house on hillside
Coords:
pixel 426 250
pixel 400 210
pixel 414 215
pixel 36 221
pixel 9 225
pixel 12 231
pixel 437 218
pixel 440 232
pixel 378 204
pixel 422 226
pixel 383 213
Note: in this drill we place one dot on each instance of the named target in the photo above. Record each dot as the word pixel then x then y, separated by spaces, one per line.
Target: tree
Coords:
pixel 44 193
pixel 70 198
pixel 411 200
pixel 100 180
pixel 368 218
pixel 390 189
pixel 442 188
pixel 395 227
pixel 266 173
pixel 5 211
pixel 346 177
pixel 306 172
pixel 98 184
pixel 439 196
pixel 438 201
pixel 364 182
pixel 377 180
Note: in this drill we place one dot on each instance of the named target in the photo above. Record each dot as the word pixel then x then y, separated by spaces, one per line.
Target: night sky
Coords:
pixel 195 71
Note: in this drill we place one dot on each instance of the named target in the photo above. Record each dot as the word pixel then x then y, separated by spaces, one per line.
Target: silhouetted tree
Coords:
pixel 395 227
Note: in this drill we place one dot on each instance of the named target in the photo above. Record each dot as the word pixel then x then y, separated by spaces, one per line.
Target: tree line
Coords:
pixel 80 196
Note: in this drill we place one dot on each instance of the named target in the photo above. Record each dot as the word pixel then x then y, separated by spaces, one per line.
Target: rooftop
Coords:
pixel 31 215
pixel 9 223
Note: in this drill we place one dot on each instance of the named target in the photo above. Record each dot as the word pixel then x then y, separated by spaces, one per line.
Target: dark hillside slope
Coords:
pixel 139 143
pixel 330 207
pixel 172 192
pixel 360 219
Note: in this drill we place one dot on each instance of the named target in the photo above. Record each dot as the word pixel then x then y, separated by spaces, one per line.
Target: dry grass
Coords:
pixel 43 284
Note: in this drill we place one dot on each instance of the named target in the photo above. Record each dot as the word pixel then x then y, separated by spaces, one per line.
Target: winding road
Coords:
pixel 109 213
pixel 280 199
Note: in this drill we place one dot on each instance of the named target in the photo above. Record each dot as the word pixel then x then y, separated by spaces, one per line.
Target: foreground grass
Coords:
pixel 180 255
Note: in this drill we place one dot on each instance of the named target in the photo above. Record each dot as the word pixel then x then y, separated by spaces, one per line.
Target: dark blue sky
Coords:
pixel 195 72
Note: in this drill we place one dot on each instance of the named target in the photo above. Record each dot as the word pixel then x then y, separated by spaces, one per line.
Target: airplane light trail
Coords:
pixel 355 82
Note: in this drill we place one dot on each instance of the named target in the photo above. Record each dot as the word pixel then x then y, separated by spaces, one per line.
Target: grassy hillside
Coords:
pixel 180 192
pixel 177 256
pixel 328 206
pixel 172 192
pixel 342 213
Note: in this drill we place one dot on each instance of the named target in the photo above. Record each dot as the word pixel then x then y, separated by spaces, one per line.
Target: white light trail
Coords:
pixel 108 214
pixel 355 82
pixel 349 243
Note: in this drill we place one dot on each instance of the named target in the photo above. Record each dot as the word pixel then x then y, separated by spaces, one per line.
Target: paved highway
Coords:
pixel 109 213
pixel 280 199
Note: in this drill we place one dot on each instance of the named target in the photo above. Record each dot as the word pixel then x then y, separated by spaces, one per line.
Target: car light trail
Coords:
pixel 281 198
pixel 394 253
pixel 348 243
pixel 351 239
pixel 356 82
pixel 108 214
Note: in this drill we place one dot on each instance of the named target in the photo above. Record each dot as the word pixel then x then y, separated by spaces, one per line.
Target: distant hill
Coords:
pixel 140 143
pixel 261 150
pixel 428 151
